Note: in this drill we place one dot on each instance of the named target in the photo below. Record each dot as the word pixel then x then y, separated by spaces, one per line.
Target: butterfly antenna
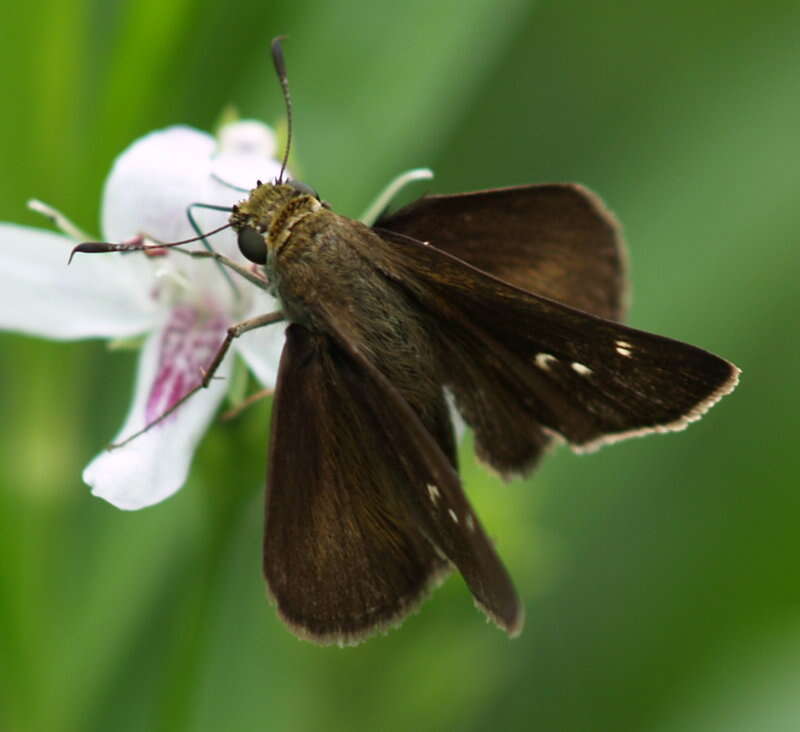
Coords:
pixel 140 244
pixel 280 69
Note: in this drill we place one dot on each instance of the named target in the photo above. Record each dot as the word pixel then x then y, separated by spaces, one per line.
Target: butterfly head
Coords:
pixel 264 220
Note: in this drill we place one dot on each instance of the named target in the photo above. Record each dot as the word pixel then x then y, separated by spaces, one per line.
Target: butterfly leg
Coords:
pixel 234 412
pixel 208 374
pixel 245 272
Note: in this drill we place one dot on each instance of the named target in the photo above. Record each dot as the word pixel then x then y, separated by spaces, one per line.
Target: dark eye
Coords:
pixel 252 245
pixel 303 188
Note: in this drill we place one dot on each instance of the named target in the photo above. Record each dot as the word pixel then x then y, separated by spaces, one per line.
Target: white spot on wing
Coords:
pixel 433 492
pixel 623 348
pixel 470 523
pixel 543 360
pixel 453 515
pixel 579 368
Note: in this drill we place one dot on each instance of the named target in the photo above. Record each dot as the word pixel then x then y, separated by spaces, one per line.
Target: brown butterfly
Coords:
pixel 505 300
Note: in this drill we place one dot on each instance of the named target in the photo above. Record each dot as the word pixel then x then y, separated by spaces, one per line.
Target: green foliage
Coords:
pixel 660 575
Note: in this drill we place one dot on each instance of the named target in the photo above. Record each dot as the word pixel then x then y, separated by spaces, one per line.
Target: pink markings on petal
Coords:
pixel 188 344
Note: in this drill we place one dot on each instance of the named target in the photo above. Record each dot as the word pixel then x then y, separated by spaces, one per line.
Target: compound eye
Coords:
pixel 303 188
pixel 252 245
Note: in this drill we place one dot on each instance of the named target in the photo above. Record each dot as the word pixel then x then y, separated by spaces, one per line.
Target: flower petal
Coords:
pixel 147 193
pixel 155 464
pixel 245 156
pixel 153 181
pixel 248 137
pixel 39 294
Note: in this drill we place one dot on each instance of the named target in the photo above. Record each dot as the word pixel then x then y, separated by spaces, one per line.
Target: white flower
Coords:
pixel 182 305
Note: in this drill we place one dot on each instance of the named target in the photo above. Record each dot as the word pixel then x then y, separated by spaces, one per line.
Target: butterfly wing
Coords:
pixel 557 240
pixel 522 366
pixel 364 511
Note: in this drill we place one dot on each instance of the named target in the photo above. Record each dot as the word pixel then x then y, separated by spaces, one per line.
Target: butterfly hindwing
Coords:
pixel 555 239
pixel 364 512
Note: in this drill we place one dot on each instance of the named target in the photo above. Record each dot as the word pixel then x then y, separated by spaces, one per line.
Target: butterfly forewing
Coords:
pixel 522 366
pixel 364 510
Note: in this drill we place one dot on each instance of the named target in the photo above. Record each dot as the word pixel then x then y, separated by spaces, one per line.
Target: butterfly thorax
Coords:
pixel 329 269
pixel 337 267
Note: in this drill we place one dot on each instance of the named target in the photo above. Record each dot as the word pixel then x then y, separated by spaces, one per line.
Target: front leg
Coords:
pixel 233 332
pixel 230 263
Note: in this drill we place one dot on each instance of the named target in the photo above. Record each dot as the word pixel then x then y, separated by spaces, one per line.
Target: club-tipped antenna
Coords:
pixel 280 69
pixel 137 244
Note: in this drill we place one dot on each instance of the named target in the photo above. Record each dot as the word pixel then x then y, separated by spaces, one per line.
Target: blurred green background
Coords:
pixel 660 575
